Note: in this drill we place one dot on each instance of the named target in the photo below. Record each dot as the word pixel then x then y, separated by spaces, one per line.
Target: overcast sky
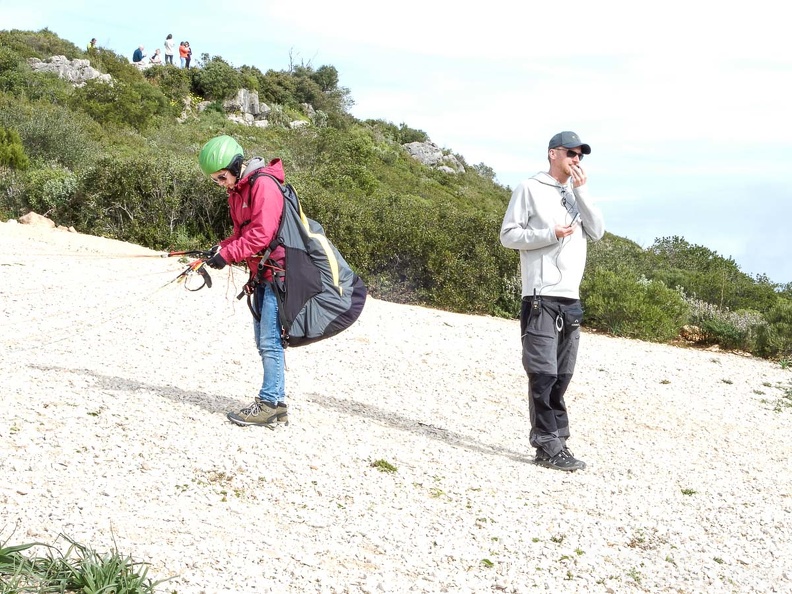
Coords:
pixel 685 104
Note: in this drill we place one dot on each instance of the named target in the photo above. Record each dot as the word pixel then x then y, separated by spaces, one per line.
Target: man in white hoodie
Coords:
pixel 548 220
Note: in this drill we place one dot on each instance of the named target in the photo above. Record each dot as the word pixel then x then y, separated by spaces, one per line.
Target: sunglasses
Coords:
pixel 220 178
pixel 572 154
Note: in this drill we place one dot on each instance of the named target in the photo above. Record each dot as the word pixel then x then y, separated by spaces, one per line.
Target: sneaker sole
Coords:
pixel 546 464
pixel 271 423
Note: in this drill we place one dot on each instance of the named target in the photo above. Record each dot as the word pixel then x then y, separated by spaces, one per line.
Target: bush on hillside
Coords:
pixel 704 274
pixel 731 330
pixel 52 133
pixel 120 104
pixel 47 191
pixel 40 44
pixel 634 308
pixel 12 153
pixel 216 80
pixel 618 254
pixel 151 201
pixel 276 88
pixel 173 82
pixel 774 339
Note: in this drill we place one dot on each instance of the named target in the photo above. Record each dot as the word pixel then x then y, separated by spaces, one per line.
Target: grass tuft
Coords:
pixel 79 569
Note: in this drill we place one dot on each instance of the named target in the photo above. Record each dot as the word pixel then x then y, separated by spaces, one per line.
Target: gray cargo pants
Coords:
pixel 550 349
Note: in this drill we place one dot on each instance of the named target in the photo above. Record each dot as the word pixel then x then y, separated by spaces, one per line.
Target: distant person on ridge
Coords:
pixel 188 56
pixel 256 210
pixel 138 55
pixel 156 58
pixel 91 44
pixel 548 222
pixel 169 45
pixel 182 53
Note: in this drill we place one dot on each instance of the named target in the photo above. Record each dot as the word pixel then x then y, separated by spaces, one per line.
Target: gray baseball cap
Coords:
pixel 569 140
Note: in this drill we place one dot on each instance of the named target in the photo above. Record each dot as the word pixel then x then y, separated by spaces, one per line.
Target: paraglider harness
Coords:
pixel 322 295
pixel 278 281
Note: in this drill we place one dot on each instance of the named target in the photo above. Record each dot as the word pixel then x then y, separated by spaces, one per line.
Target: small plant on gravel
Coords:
pixel 434 492
pixel 487 563
pixel 727 381
pixel 558 539
pixel 718 560
pixel 785 363
pixel 579 551
pixel 638 540
pixel 79 569
pixel 785 401
pixel 383 466
pixel 665 381
pixel 688 492
pixel 635 575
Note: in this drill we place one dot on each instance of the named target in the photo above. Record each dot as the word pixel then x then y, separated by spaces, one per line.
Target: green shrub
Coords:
pixel 617 254
pixel 46 191
pixel 277 88
pixel 52 133
pixel 731 330
pixel 634 308
pixel 173 82
pixel 9 59
pixel 216 80
pixel 774 339
pixel 150 201
pixel 12 153
pixel 326 77
pixel 122 104
pixel 40 44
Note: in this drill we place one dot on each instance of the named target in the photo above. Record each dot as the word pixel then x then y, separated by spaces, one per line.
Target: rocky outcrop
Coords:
pixel 246 102
pixel 77 72
pixel 433 156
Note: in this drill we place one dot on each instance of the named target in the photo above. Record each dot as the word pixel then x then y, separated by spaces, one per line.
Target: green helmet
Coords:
pixel 218 154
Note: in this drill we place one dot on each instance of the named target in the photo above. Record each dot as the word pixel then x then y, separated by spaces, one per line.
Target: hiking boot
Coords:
pixel 571 455
pixel 283 413
pixel 261 413
pixel 563 460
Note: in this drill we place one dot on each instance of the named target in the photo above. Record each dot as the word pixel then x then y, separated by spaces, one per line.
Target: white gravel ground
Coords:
pixel 114 387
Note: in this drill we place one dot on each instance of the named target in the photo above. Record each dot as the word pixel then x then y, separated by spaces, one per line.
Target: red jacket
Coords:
pixel 256 213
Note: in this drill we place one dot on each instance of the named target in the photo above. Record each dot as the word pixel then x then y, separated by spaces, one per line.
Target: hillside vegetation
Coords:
pixel 120 161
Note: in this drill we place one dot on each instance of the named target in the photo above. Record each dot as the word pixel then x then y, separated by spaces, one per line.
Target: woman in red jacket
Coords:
pixel 183 52
pixel 256 210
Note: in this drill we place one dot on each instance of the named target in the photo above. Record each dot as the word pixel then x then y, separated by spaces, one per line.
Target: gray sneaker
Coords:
pixel 261 413
pixel 563 460
pixel 571 455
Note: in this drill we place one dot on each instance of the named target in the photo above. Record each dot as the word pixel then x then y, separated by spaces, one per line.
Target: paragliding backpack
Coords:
pixel 318 294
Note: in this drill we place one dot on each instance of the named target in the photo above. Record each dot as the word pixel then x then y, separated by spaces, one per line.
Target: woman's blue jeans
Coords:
pixel 267 331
